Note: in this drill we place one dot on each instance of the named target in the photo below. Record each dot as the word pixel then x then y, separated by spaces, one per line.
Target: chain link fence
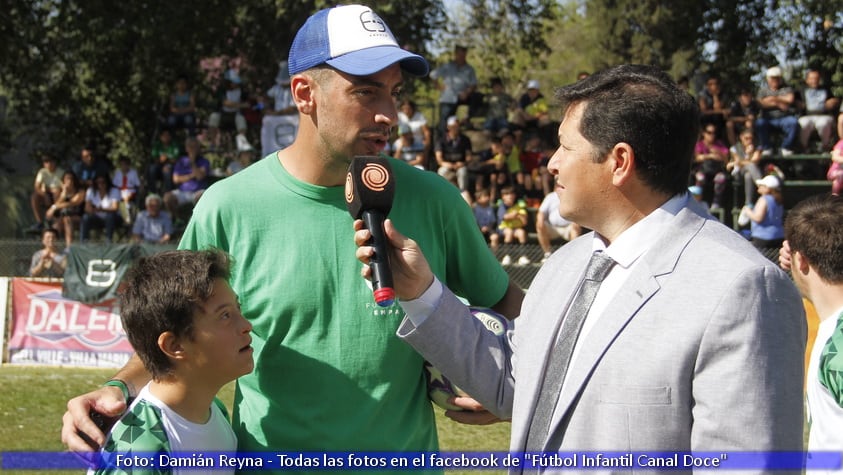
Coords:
pixel 16 254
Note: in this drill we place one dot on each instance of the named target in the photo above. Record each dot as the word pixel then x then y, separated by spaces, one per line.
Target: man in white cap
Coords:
pixel 533 112
pixel 330 375
pixel 283 103
pixel 778 113
pixel 280 121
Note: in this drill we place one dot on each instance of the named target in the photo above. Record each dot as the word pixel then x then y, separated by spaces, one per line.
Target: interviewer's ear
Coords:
pixel 622 161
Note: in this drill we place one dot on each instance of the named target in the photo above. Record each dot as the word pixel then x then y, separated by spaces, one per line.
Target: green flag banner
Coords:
pixel 94 271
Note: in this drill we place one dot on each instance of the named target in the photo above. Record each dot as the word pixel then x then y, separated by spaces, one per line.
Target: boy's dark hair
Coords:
pixel 161 293
pixel 812 228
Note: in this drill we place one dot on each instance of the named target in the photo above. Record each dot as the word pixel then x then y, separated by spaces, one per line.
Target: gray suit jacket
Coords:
pixel 701 350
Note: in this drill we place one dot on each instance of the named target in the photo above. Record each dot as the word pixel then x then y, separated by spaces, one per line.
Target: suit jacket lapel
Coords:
pixel 641 285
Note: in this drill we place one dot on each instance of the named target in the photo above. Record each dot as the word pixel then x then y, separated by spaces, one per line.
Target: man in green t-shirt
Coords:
pixel 330 375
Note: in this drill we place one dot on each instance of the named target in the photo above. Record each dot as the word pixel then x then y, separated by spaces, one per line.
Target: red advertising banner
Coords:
pixel 49 329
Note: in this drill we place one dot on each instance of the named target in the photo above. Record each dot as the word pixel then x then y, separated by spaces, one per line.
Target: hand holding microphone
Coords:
pixel 369 191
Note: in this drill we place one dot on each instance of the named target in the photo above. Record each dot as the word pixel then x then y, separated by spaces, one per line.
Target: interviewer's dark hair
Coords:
pixel 643 107
pixel 161 293
pixel 813 229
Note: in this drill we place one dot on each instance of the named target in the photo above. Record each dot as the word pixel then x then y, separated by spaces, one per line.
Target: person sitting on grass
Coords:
pixel 184 322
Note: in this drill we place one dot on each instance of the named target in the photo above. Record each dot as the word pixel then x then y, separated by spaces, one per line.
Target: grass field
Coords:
pixel 32 401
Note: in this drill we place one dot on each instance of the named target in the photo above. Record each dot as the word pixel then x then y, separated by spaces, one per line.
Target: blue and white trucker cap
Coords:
pixel 352 39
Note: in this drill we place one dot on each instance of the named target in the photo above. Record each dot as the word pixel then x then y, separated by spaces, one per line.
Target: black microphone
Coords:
pixel 369 190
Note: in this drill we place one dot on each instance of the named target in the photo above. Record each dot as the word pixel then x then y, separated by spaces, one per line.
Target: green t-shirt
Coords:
pixel 330 374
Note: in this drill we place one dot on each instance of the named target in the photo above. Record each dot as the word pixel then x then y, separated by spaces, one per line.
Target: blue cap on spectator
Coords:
pixel 695 190
pixel 352 39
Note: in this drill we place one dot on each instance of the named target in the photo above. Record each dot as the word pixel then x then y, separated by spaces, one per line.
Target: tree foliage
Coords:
pixel 82 70
pixel 78 71
pixel 508 39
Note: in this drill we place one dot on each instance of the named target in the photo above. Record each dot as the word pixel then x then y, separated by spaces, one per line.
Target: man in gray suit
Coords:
pixel 694 341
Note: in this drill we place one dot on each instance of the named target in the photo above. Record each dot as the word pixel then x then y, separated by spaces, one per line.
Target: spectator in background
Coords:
pixel 190 178
pixel 453 152
pixel 742 115
pixel 159 175
pixel 409 115
pixel 508 164
pixel 813 233
pixel 531 160
pixel 245 158
pixel 817 111
pixel 280 121
pixel 778 113
pixel 102 201
pixel 533 111
pixel 457 82
pixel 153 225
pixel 499 105
pixel 550 225
pixel 408 147
pixel 710 158
pixel 282 97
pixel 745 163
pixel 232 101
pixel 835 170
pixel 767 216
pixel 483 169
pixel 48 262
pixel 512 225
pixel 69 207
pixel 126 180
pixel 45 191
pixel 90 166
pixel 486 216
pixel 713 105
pixel 182 111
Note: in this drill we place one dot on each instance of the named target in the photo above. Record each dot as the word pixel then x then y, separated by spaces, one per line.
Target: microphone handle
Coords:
pixel 381 272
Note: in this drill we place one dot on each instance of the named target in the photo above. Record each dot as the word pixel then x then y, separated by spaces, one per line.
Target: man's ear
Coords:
pixel 622 160
pixel 170 344
pixel 800 264
pixel 302 87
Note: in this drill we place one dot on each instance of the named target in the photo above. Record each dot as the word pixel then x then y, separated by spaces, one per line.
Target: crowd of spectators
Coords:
pixel 741 130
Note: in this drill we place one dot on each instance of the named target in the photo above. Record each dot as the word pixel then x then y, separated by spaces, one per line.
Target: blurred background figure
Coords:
pixel 45 190
pixel 182 110
pixel 48 261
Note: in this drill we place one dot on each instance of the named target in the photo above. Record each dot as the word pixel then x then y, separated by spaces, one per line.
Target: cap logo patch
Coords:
pixel 372 22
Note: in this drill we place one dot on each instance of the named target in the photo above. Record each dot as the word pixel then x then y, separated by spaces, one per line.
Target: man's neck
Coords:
pixel 305 167
pixel 627 213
